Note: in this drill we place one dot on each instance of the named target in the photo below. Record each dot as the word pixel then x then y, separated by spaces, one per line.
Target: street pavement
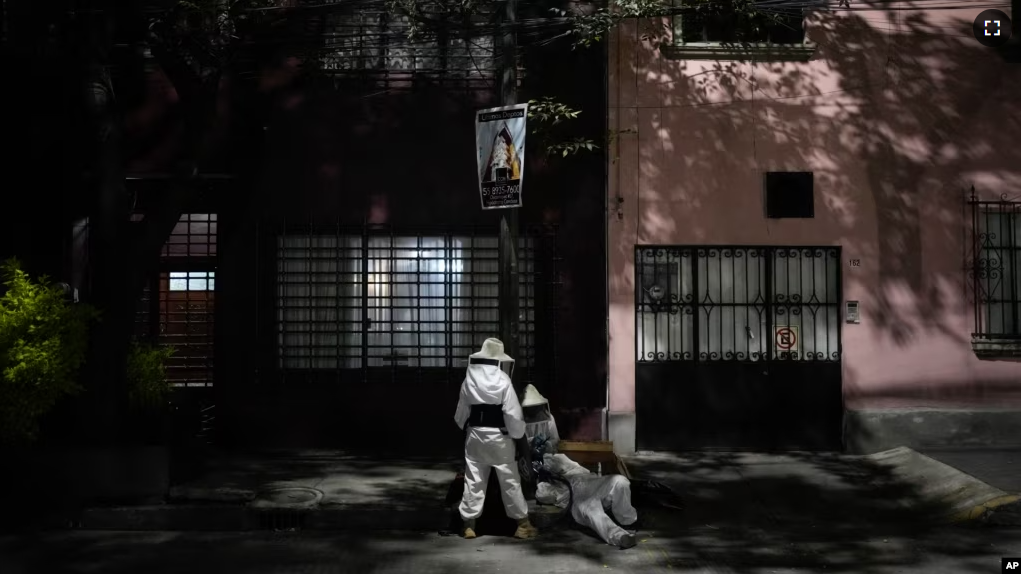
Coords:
pixel 697 550
pixel 743 513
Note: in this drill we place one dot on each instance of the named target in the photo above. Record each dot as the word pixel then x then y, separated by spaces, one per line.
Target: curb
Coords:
pixel 981 512
pixel 964 497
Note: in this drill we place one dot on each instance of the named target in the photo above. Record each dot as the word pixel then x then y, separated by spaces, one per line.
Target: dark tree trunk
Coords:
pixel 106 396
pixel 120 259
pixel 122 254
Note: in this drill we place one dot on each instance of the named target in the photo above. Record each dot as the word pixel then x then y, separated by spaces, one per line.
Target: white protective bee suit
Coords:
pixel 486 394
pixel 539 420
pixel 593 495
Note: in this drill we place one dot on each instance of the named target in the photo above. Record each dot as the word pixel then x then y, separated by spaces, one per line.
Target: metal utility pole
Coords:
pixel 507 69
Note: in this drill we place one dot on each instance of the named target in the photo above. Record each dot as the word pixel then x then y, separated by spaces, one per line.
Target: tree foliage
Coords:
pixel 148 386
pixel 591 27
pixel 43 342
pixel 546 121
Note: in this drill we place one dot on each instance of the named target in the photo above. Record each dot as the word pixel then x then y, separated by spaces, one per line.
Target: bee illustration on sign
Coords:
pixel 500 137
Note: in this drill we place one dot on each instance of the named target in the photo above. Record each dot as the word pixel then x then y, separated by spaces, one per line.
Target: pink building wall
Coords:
pixel 898 113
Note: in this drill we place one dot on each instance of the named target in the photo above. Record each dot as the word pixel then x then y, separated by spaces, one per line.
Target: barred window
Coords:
pixel 414 301
pixel 734 27
pixel 177 308
pixel 192 281
pixel 371 39
pixel 194 235
pixel 998 275
pixel 737 303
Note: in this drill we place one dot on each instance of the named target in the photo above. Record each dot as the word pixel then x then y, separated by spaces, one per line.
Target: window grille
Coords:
pixel 348 302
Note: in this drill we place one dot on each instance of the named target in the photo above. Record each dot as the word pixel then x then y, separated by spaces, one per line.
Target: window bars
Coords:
pixel 370 43
pixel 187 311
pixel 347 300
pixel 737 303
pixel 177 307
pixel 995 268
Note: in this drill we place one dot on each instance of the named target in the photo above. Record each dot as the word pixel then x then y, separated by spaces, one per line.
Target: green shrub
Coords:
pixel 43 341
pixel 147 375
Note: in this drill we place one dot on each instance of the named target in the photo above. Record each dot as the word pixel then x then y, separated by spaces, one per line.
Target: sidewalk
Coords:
pixel 698 550
pixel 329 490
pixel 743 512
pixel 293 490
pixel 828 491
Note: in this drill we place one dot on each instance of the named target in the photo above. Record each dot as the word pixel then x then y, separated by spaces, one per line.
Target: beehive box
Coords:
pixel 593 453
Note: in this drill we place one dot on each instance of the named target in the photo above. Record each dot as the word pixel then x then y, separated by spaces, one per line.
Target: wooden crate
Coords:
pixel 591 453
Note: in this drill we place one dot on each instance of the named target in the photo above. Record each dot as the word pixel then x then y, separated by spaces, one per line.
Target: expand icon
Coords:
pixel 992 28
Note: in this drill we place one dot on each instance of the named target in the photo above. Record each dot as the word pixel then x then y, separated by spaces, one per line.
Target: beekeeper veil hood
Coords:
pixel 539 420
pixel 492 354
pixel 533 398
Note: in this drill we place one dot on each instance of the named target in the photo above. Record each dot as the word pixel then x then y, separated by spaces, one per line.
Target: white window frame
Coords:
pixel 192 281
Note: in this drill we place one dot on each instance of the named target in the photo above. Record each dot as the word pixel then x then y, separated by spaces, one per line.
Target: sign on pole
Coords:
pixel 500 140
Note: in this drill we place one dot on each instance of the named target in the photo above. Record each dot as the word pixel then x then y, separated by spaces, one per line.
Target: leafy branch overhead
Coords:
pixel 549 119
pixel 588 28
pixel 546 121
pixel 586 23
pixel 585 26
pixel 198 38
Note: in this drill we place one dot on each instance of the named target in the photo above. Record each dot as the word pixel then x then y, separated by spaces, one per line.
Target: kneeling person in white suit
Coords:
pixel 489 407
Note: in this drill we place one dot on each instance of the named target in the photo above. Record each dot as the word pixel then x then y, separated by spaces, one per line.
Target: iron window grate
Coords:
pixel 186 324
pixel 194 235
pixel 351 301
pixel 177 307
pixel 737 303
pixel 995 269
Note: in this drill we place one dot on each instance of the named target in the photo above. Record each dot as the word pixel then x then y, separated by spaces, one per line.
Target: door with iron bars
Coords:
pixel 373 316
pixel 738 347
pixel 370 304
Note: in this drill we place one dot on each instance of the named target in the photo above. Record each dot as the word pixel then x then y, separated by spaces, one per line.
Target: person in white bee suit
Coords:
pixel 489 407
pixel 593 494
pixel 539 420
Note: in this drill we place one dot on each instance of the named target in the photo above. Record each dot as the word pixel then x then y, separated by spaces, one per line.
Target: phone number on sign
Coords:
pixel 500 190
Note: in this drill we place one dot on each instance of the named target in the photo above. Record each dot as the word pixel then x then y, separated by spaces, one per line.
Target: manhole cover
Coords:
pixel 288 498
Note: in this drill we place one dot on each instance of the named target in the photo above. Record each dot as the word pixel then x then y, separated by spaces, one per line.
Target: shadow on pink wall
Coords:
pixel 898 113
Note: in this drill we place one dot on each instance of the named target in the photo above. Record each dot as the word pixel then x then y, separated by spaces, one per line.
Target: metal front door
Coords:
pixel 368 317
pixel 737 347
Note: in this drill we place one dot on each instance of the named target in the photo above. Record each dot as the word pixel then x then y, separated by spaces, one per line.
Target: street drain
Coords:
pixel 285 509
pixel 279 520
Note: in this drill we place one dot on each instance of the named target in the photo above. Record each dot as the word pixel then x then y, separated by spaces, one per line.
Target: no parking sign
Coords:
pixel 785 337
